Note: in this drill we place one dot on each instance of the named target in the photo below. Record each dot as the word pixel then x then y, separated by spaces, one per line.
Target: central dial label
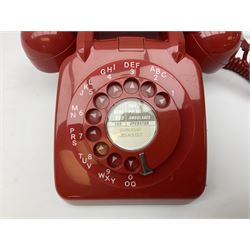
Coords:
pixel 131 124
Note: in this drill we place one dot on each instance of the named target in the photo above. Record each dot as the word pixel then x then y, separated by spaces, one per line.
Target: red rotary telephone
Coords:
pixel 130 114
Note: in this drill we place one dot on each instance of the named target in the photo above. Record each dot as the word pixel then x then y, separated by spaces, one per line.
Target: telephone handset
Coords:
pixel 130 115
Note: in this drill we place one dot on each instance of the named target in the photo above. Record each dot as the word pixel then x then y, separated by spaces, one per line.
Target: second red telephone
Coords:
pixel 130 114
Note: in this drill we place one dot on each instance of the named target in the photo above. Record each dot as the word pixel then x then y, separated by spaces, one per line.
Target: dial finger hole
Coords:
pixel 131 164
pixel 114 160
pixel 101 101
pixel 101 149
pixel 162 100
pixel 93 133
pixel 131 86
pixel 93 116
pixel 114 89
pixel 148 89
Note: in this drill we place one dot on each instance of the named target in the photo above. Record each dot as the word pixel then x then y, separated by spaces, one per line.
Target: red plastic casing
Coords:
pixel 212 49
pixel 177 155
pixel 47 49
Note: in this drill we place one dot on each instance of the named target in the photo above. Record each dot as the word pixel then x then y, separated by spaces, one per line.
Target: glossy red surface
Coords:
pixel 212 49
pixel 176 156
pixel 103 70
pixel 48 49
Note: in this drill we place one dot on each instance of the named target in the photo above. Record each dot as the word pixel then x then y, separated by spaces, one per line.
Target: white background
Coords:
pixel 27 190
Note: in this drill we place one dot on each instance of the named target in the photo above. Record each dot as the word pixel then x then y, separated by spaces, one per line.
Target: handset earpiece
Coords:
pixel 212 49
pixel 47 49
